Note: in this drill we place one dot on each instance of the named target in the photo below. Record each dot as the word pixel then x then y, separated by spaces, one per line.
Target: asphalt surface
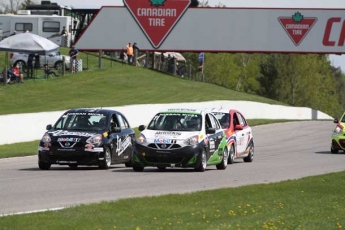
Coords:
pixel 282 151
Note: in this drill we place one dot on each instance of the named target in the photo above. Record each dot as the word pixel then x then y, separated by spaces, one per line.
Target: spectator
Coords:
pixel 48 71
pixel 30 65
pixel 162 61
pixel 73 53
pixel 64 31
pixel 135 52
pixel 129 53
pixel 19 76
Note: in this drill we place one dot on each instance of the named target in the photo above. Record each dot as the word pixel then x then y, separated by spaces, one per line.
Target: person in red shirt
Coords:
pixel 17 73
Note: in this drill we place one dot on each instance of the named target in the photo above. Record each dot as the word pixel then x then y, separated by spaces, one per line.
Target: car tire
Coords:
pixel 231 157
pixel 334 150
pixel 161 168
pixel 138 168
pixel 250 156
pixel 129 164
pixel 44 165
pixel 106 162
pixel 224 162
pixel 203 162
pixel 22 64
pixel 58 65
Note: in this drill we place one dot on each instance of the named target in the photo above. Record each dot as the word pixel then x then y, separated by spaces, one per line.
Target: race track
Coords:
pixel 282 151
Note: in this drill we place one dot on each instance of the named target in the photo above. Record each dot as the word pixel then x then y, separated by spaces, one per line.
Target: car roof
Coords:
pixel 91 110
pixel 182 110
pixel 220 110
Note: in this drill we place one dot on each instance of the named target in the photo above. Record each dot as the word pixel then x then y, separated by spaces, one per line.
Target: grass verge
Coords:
pixel 309 203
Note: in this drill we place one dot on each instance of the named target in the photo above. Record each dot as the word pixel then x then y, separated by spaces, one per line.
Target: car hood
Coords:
pixel 151 135
pixel 72 133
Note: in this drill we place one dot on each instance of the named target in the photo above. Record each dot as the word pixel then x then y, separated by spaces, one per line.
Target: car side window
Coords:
pixel 122 123
pixel 210 121
pixel 215 121
pixel 242 120
pixel 114 121
pixel 235 120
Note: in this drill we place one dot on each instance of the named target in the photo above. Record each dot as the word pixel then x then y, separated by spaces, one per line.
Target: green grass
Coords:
pixel 115 84
pixel 309 203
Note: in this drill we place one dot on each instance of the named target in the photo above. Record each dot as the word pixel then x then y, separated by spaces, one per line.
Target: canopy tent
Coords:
pixel 28 43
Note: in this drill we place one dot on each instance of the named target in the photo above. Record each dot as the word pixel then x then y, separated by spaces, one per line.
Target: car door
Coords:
pixel 214 139
pixel 247 131
pixel 123 138
pixel 239 134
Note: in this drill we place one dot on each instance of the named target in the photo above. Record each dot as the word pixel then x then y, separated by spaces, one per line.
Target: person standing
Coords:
pixel 30 65
pixel 73 54
pixel 135 53
pixel 129 53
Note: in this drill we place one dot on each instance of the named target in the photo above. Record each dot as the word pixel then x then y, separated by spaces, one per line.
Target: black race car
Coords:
pixel 99 137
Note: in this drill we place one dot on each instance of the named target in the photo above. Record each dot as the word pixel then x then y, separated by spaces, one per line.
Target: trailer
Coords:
pixel 48 26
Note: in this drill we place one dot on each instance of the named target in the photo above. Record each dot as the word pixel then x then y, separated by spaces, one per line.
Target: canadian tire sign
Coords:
pixel 157 18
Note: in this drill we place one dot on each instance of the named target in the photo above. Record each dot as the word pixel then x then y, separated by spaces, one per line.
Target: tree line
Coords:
pixel 307 80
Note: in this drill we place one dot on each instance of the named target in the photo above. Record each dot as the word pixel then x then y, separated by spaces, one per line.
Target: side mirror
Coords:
pixel 210 130
pixel 238 127
pixel 49 127
pixel 115 129
pixel 336 120
pixel 141 127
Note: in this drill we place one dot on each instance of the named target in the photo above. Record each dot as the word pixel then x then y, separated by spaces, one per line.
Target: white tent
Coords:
pixel 178 56
pixel 28 43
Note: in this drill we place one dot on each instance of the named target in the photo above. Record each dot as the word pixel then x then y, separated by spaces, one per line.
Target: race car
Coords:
pixel 338 135
pixel 185 138
pixel 81 136
pixel 239 134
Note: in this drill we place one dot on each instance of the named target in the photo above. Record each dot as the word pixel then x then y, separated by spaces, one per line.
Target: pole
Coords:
pixel 100 59
pixel 202 70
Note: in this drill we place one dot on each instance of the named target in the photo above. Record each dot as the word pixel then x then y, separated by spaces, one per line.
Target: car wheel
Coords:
pixel 161 168
pixel 334 150
pixel 250 156
pixel 22 65
pixel 138 168
pixel 128 164
pixel 44 165
pixel 73 166
pixel 231 157
pixel 58 65
pixel 106 162
pixel 224 163
pixel 203 162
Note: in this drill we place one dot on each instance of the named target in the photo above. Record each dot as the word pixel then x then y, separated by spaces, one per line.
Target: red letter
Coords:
pixel 326 35
pixel 342 35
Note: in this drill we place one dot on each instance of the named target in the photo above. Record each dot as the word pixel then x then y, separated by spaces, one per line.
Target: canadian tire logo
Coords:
pixel 297 26
pixel 157 18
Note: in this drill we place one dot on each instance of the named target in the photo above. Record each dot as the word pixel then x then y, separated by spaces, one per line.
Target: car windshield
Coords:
pixel 82 121
pixel 223 118
pixel 176 122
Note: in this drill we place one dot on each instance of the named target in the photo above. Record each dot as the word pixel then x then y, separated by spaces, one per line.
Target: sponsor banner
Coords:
pixel 221 30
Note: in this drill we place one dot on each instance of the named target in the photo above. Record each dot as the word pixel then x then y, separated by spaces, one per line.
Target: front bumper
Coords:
pixel 182 157
pixel 80 157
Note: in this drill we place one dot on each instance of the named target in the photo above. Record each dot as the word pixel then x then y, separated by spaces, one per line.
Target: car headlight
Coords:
pixel 46 138
pixel 141 139
pixel 338 129
pixel 95 140
pixel 192 140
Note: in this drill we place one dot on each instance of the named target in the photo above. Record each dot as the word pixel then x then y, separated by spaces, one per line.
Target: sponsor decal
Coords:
pixel 297 26
pixel 65 139
pixel 163 141
pixel 167 133
pixel 157 18
pixel 122 145
pixel 105 134
pixel 68 133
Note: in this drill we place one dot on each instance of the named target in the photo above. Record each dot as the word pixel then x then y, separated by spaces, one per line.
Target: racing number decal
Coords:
pixel 211 144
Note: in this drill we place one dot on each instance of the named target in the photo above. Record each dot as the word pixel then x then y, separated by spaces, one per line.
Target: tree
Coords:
pixel 10 6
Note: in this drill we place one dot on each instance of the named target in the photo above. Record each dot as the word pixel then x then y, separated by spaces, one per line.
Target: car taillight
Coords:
pixel 11 55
